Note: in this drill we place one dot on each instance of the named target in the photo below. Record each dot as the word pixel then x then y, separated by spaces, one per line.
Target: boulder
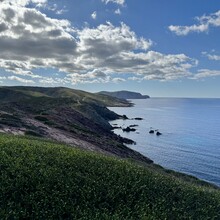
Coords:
pixel 151 132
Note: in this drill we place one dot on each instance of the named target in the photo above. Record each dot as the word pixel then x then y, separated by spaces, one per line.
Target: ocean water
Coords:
pixel 190 140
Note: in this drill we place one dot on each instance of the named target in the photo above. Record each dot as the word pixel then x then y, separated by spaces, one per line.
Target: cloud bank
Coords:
pixel 38 3
pixel 204 24
pixel 31 40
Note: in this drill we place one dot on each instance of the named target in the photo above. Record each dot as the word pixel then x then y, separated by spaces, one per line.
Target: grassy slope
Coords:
pixel 24 92
pixel 71 114
pixel 44 180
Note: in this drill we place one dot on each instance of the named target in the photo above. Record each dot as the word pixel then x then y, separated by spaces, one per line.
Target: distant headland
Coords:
pixel 125 94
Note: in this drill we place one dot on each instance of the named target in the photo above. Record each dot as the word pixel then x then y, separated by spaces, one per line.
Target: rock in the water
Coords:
pixel 158 133
pixel 128 129
pixel 132 126
pixel 139 119
pixel 116 127
pixel 124 117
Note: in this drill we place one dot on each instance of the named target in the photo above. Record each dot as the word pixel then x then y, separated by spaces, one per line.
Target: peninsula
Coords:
pixel 125 94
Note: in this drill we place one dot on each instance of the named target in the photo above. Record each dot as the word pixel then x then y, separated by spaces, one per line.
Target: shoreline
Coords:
pixel 77 118
pixel 184 174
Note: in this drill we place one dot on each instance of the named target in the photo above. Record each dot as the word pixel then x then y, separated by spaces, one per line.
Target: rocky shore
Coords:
pixel 69 116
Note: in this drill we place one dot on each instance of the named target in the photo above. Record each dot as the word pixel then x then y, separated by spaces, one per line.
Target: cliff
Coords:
pixel 66 115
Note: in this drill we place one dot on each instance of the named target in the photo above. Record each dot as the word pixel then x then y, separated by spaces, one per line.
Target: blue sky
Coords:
pixel 161 48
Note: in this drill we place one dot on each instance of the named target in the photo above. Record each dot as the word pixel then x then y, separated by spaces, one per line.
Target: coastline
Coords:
pixel 144 145
pixel 77 118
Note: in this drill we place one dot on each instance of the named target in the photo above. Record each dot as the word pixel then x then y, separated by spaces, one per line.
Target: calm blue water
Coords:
pixel 191 134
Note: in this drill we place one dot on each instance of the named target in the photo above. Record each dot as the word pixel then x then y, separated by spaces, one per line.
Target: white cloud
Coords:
pixel 118 80
pixel 119 2
pixel 19 79
pixel 134 78
pixel 39 3
pixel 55 8
pixel 204 24
pixel 205 73
pixel 118 11
pixel 94 15
pixel 61 11
pixel 107 40
pixel 211 56
pixel 2 78
pixel 31 40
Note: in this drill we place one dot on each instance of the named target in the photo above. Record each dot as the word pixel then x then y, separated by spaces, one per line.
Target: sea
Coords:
pixel 190 127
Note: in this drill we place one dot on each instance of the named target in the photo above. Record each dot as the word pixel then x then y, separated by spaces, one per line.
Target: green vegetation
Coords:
pixel 41 179
pixel 57 95
pixel 68 115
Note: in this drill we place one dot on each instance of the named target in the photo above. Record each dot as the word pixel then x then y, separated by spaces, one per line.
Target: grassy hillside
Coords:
pixel 44 180
pixel 71 116
pixel 9 94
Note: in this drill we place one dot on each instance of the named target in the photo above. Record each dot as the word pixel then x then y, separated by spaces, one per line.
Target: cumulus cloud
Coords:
pixel 94 76
pixel 31 40
pixel 38 3
pixel 203 25
pixel 119 2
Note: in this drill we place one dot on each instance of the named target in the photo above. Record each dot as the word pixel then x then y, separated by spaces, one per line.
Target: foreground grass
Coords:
pixel 43 180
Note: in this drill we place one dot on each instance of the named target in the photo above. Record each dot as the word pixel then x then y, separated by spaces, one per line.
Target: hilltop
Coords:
pixel 66 115
pixel 125 95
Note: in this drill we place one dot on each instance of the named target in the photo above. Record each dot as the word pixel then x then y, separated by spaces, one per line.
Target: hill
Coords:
pixel 41 179
pixel 66 115
pixel 125 95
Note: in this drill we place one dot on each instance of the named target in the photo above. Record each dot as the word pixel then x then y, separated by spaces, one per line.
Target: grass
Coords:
pixel 57 94
pixel 41 179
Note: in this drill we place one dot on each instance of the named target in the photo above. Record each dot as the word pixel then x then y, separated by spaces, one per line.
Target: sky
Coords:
pixel 160 48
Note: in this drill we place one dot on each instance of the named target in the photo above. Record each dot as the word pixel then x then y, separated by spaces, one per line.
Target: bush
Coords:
pixel 41 118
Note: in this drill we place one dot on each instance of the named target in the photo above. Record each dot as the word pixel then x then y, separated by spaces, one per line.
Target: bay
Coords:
pixel 190 140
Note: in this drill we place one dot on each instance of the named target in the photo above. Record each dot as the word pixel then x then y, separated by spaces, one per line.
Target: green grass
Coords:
pixel 41 179
pixel 57 94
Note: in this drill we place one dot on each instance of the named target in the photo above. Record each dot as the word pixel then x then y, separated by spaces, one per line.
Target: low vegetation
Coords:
pixel 42 179
pixel 67 115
